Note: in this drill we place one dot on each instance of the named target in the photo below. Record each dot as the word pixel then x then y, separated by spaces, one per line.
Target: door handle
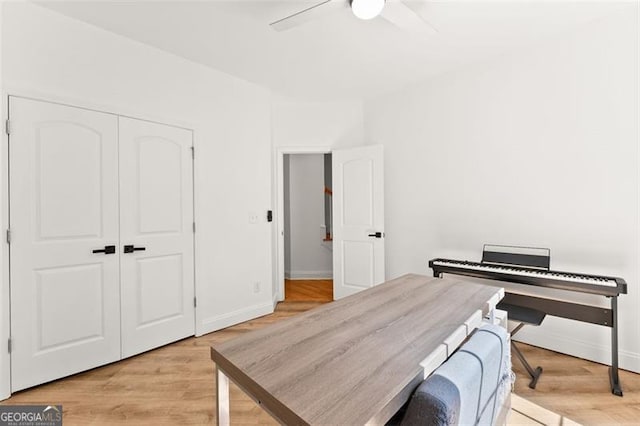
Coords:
pixel 130 248
pixel 376 235
pixel 106 250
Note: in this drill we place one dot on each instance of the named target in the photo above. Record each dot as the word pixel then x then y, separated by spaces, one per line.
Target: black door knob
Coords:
pixel 130 248
pixel 106 250
pixel 376 235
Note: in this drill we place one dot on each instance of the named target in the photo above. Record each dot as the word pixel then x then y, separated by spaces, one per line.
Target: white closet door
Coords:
pixel 65 304
pixel 156 223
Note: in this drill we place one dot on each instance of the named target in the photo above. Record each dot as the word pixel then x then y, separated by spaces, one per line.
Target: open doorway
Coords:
pixel 308 227
pixel 357 218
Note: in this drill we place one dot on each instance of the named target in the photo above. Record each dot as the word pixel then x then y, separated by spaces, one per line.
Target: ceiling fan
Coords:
pixel 394 11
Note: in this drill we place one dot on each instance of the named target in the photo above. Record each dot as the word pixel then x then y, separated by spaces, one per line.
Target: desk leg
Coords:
pixel 222 399
pixel 616 386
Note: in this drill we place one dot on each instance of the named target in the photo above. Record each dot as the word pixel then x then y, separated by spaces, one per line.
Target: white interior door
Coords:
pixel 65 304
pixel 358 216
pixel 156 222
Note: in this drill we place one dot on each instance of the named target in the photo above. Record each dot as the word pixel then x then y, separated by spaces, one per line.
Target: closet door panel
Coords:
pixel 65 300
pixel 156 217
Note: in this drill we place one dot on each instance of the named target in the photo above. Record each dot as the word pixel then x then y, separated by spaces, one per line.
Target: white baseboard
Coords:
pixel 308 275
pixel 219 322
pixel 579 348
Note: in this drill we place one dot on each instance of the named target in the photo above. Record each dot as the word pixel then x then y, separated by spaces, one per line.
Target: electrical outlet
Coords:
pixel 256 287
pixel 253 217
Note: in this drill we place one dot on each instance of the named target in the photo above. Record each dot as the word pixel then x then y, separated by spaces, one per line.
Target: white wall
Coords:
pixel 297 123
pixel 539 148
pixel 65 59
pixel 310 256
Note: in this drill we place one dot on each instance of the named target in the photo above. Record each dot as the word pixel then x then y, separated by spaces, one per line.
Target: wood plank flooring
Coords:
pixel 308 290
pixel 524 412
pixel 578 389
pixel 175 385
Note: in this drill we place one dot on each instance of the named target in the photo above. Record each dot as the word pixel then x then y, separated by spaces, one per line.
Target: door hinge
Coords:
pixel 195 303
pixel 194 227
pixel 8 236
pixel 193 152
pixel 9 345
pixel 7 127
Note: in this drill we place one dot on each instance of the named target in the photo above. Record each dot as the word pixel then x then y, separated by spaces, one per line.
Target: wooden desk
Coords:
pixel 356 360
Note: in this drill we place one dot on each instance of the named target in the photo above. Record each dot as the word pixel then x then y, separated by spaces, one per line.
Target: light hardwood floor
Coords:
pixel 174 385
pixel 308 290
pixel 579 389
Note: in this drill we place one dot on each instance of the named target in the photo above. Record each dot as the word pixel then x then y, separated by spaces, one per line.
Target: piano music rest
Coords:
pixel 525 316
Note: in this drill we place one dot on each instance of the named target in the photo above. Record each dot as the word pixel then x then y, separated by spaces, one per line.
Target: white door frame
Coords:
pixel 279 213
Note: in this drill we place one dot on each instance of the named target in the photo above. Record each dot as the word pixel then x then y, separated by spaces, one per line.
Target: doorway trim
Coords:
pixel 279 213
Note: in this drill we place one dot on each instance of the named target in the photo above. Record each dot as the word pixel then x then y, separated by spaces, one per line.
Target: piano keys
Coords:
pixel 594 284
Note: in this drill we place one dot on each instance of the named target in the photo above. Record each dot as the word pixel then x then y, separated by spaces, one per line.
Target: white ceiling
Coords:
pixel 335 56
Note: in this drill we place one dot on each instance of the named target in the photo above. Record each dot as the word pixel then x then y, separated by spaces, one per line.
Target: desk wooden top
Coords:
pixel 355 360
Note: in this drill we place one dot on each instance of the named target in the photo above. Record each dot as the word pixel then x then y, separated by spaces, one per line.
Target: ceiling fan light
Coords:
pixel 367 9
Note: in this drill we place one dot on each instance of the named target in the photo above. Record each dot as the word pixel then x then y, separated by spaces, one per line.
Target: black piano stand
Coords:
pixel 616 386
pixel 614 379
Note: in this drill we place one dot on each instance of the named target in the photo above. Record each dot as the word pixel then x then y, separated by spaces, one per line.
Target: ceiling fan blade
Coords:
pixel 402 16
pixel 308 14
